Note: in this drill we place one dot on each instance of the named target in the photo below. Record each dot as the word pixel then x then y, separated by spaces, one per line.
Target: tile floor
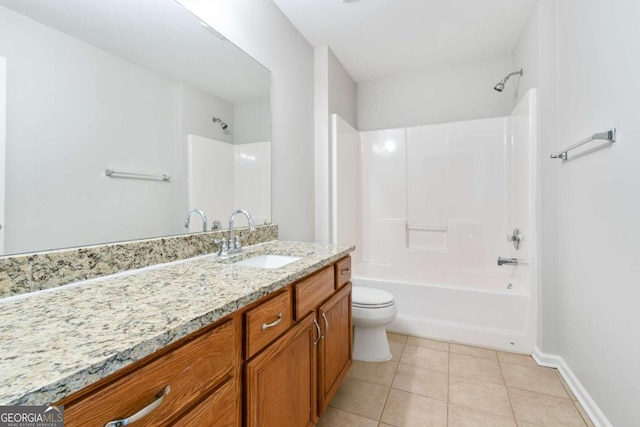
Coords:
pixel 433 383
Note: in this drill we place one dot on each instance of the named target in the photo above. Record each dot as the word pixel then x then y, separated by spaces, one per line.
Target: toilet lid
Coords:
pixel 370 297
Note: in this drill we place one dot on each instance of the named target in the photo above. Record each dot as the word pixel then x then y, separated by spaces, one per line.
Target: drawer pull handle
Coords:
pixel 142 412
pixel 276 322
pixel 345 271
pixel 315 322
pixel 326 325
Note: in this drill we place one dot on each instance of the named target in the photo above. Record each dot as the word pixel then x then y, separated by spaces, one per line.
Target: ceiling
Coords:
pixel 380 38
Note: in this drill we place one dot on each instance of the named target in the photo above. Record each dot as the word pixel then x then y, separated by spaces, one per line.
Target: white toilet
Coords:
pixel 372 310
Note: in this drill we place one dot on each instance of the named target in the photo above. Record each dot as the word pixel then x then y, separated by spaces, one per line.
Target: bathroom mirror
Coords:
pixel 135 87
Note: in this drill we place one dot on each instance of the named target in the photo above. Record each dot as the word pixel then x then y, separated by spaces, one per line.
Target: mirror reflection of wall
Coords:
pixel 119 85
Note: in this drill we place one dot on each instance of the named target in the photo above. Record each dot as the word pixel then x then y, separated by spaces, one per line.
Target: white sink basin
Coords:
pixel 268 261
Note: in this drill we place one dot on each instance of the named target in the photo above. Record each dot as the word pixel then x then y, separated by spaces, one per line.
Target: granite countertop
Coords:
pixel 57 342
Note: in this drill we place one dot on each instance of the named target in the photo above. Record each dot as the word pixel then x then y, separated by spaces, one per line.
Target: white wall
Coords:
pixel 589 236
pixel 440 95
pixel 260 28
pixel 342 91
pixel 536 54
pixel 335 93
pixel 598 204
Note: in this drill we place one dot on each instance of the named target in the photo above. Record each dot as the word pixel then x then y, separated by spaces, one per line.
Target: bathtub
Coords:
pixel 495 315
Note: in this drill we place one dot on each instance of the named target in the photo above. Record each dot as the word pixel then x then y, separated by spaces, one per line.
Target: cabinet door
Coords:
pixel 219 409
pixel 335 345
pixel 280 382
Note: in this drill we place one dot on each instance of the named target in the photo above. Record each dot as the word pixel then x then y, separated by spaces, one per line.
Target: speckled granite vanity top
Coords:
pixel 57 342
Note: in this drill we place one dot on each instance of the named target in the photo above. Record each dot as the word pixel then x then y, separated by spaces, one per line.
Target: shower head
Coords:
pixel 500 86
pixel 223 125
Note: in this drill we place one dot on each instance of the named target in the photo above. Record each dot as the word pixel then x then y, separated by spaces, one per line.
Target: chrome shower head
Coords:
pixel 500 86
pixel 223 125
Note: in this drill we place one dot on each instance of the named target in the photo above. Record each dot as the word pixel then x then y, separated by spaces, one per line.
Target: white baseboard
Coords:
pixel 590 407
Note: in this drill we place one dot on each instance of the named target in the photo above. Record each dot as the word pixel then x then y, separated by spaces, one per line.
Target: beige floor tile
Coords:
pixel 523 424
pixel 517 359
pixel 479 395
pixel 544 410
pixel 459 416
pixel 411 410
pixel 473 351
pixel 384 425
pixel 361 398
pixel 427 343
pixel 566 387
pixel 475 367
pixel 425 382
pixel 375 372
pixel 392 336
pixel 583 414
pixel 538 379
pixel 425 358
pixel 336 418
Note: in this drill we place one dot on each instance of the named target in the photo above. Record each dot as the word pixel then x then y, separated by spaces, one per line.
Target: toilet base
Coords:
pixel 370 344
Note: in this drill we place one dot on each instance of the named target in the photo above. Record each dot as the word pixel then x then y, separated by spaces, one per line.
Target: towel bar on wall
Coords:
pixel 609 135
pixel 130 175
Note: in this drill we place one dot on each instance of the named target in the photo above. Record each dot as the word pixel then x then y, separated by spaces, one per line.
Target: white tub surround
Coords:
pixel 429 211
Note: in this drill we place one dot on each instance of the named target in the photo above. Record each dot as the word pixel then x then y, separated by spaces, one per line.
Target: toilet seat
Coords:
pixel 370 298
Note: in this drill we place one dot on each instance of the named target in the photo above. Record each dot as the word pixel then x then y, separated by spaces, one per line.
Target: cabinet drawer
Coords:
pixel 343 272
pixel 267 322
pixel 188 370
pixel 310 292
pixel 219 409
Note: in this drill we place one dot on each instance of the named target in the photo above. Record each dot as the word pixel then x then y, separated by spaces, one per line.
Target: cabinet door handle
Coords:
pixel 326 325
pixel 315 322
pixel 276 322
pixel 142 412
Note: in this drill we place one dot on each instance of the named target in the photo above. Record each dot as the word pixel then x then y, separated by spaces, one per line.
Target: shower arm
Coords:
pixel 515 73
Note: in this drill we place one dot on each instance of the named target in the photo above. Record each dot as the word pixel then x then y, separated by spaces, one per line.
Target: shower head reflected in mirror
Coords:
pixel 500 86
pixel 223 125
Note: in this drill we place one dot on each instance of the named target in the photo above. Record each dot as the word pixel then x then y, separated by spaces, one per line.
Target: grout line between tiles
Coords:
pixel 513 412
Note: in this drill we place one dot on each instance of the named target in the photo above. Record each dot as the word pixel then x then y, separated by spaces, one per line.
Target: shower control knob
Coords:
pixel 515 238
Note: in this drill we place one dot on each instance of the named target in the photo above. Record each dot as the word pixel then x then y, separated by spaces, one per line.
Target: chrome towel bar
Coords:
pixel 609 135
pixel 130 175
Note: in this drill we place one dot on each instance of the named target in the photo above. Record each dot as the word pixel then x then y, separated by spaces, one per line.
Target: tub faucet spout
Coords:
pixel 507 261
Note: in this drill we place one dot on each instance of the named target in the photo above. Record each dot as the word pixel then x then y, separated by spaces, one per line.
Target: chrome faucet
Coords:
pixel 202 215
pixel 234 243
pixel 507 261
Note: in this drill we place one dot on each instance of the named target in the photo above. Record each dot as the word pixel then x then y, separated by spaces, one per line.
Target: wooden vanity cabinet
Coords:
pixel 280 383
pixel 335 345
pixel 204 365
pixel 315 353
pixel 277 362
